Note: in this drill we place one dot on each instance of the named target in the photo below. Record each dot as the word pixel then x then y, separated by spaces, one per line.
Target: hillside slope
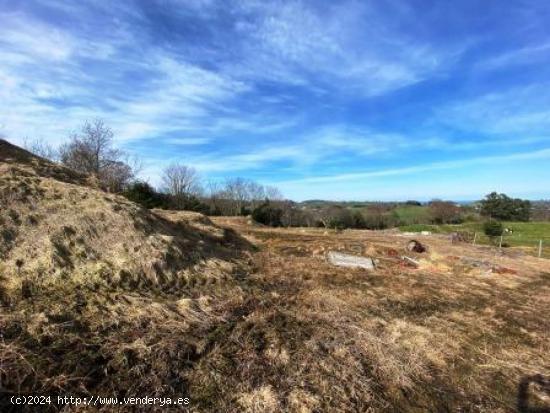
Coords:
pixel 98 293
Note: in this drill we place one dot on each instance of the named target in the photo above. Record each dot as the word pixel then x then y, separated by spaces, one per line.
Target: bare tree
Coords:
pixel 256 193
pixel 236 189
pixel 378 216
pixel 116 175
pixel 92 152
pixel 336 216
pixel 181 182
pixel 325 215
pixel 291 216
pixel 273 193
pixel 214 197
pixel 239 194
pixel 42 149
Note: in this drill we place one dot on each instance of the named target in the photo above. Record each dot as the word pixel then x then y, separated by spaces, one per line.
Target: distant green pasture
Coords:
pixel 524 234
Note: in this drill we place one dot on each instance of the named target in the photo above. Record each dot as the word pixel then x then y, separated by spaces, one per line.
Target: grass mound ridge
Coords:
pixel 53 230
pixel 99 295
pixel 20 162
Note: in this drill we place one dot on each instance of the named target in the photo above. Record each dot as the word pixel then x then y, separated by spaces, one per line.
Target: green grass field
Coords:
pixel 411 215
pixel 524 234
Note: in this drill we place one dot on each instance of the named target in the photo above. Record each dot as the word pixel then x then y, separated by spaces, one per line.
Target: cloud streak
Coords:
pixel 455 164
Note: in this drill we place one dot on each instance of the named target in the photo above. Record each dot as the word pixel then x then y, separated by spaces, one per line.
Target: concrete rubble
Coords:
pixel 353 261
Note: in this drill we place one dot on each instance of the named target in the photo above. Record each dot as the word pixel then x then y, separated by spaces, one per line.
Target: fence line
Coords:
pixel 539 244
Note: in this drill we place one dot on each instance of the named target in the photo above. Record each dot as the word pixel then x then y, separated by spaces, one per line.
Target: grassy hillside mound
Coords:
pixel 16 160
pixel 98 294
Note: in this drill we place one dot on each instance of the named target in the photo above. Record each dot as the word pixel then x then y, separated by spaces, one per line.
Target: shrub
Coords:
pixel 244 211
pixel 493 229
pixel 359 220
pixel 144 194
pixel 192 203
pixel 268 214
pixel 342 219
pixel 445 212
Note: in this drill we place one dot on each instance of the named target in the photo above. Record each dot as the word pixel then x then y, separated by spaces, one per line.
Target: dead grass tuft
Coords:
pixel 261 400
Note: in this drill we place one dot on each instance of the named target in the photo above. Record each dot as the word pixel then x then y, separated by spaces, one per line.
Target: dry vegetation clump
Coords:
pixel 53 230
pixel 100 296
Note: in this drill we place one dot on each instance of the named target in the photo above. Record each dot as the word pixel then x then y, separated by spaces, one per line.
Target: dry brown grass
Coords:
pixel 102 297
pixel 451 335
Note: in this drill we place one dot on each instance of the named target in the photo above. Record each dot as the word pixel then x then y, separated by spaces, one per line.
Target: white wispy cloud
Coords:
pixel 242 85
pixel 29 39
pixel 187 141
pixel 55 76
pixel 42 63
pixel 519 112
pixel 537 53
pixel 457 179
pixel 294 43
pixel 366 141
pixel 454 164
pixel 309 150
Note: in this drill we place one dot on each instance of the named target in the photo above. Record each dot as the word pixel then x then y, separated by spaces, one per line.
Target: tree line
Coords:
pixel 493 208
pixel 183 190
pixel 91 151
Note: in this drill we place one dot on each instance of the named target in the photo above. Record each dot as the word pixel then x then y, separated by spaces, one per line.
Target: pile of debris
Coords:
pixel 369 263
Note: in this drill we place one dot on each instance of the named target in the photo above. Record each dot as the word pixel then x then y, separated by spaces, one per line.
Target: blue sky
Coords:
pixel 363 100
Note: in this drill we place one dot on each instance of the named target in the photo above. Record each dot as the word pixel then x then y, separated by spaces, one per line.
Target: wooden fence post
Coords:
pixel 540 248
pixel 500 243
pixel 475 236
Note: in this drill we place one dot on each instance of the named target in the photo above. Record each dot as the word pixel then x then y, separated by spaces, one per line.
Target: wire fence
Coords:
pixel 537 246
